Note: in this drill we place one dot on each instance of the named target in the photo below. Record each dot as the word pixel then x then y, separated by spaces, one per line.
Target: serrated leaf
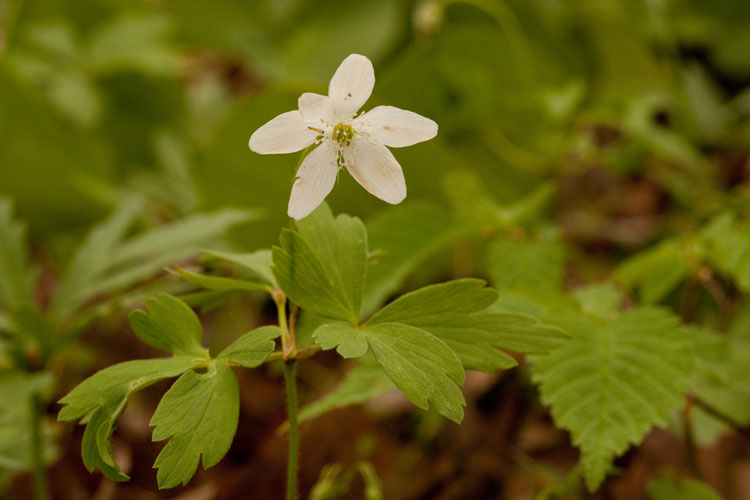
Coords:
pixel 101 398
pixel 322 267
pixel 613 381
pixel 199 413
pixel 252 349
pixel 459 313
pixel 364 382
pixel 655 271
pixel 169 325
pixel 257 264
pixel 402 237
pixel 221 283
pixel 16 276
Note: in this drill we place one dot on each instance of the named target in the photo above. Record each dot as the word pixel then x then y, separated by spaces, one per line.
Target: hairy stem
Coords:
pixel 41 486
pixel 290 373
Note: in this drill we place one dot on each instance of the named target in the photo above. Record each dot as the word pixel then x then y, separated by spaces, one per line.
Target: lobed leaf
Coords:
pixel 253 348
pixel 199 415
pixel 169 325
pixel 100 399
pixel 460 314
pixel 257 264
pixel 322 266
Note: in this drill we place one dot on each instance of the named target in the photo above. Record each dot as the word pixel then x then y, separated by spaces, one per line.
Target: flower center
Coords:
pixel 342 134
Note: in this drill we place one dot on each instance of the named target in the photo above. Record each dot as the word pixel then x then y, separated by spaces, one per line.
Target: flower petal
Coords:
pixel 315 179
pixel 286 133
pixel 375 168
pixel 316 107
pixel 395 127
pixel 351 85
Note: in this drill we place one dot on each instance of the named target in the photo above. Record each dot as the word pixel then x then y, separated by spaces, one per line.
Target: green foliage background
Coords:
pixel 591 164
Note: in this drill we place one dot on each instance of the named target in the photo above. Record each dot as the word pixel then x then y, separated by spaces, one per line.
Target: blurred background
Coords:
pixel 608 125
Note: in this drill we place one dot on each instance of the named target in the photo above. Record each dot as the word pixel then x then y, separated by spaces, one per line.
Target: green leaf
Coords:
pixel 257 264
pixel 401 238
pixel 527 267
pixel 16 392
pixel 599 299
pixel 253 348
pixel 421 365
pixel 200 413
pixel 349 341
pixel 729 248
pixel 458 312
pixel 655 271
pixel 92 257
pixel 133 42
pixel 16 276
pixel 614 380
pixel 108 261
pixel 221 283
pixel 669 487
pixel 364 382
pixel 169 325
pixel 322 267
pixel 100 399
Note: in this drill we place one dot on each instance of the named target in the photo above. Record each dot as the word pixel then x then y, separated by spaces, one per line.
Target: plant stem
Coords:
pixel 290 373
pixel 41 486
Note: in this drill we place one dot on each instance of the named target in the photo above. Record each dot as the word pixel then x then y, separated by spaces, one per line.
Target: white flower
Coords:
pixel 344 140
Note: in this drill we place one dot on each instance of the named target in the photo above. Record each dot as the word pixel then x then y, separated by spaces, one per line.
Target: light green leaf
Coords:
pixel 599 299
pixel 169 325
pixel 364 382
pixel 108 262
pixel 252 349
pixel 526 267
pixel 349 341
pixel 669 487
pixel 655 271
pixel 729 248
pixel 613 381
pixel 221 283
pixel 199 413
pixel 16 391
pixel 458 312
pixel 133 42
pixel 401 238
pixel 100 399
pixel 92 257
pixel 16 276
pixel 257 264
pixel 322 267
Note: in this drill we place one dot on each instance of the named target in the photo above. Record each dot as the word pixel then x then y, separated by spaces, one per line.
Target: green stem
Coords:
pixel 290 373
pixel 41 486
